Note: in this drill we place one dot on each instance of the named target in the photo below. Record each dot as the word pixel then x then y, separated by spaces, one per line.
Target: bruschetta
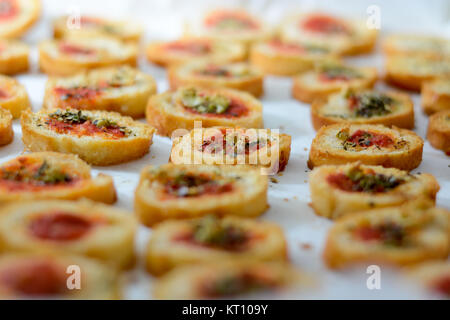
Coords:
pixel 17 16
pixel 416 45
pixel 125 30
pixel 57 277
pixel 97 137
pixel 435 95
pixel 188 49
pixel 71 55
pixel 340 190
pixel 340 35
pixel 240 76
pixel 263 148
pixel 6 129
pixel 368 143
pixel 13 57
pixel 189 191
pixel 403 235
pixel 364 107
pixel 13 96
pixel 67 227
pixel 229 24
pixel 411 72
pixel 331 77
pixel 121 89
pixel 287 58
pixel 228 279
pixel 173 111
pixel 177 243
pixel 438 133
pixel 433 275
pixel 51 175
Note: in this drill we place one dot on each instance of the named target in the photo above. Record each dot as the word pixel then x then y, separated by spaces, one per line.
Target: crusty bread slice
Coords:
pixel 20 16
pixel 52 175
pixel 228 279
pixel 412 233
pixel 125 30
pixel 13 96
pixel 189 191
pixel 177 110
pixel 178 243
pixel 191 49
pixel 74 54
pixel 86 228
pixel 371 144
pixel 98 137
pixel 365 106
pixel 340 35
pixel 340 190
pixel 13 57
pixel 439 131
pixel 240 76
pixel 435 95
pixel 98 281
pixel 267 149
pixel 6 129
pixel 331 77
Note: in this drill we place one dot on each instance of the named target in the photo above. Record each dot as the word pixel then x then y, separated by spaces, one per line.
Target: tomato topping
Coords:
pixel 77 93
pixel 324 24
pixel 286 47
pixel 366 139
pixel 230 20
pixel 8 9
pixel 4 94
pixel 232 144
pixel 214 71
pixel 76 50
pixel 86 128
pixel 90 21
pixel 442 285
pixel 189 46
pixel 59 226
pixel 389 233
pixel 34 278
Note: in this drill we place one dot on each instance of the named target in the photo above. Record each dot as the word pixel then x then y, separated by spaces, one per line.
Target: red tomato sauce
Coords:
pixel 189 47
pixel 34 278
pixel 442 285
pixel 60 226
pixel 324 24
pixel 241 245
pixel 84 129
pixel 341 181
pixel 380 140
pixel 291 48
pixel 4 94
pixel 76 50
pixel 236 109
pixel 325 77
pixel 90 21
pixel 77 93
pixel 203 184
pixel 242 19
pixel 8 9
pixel 369 233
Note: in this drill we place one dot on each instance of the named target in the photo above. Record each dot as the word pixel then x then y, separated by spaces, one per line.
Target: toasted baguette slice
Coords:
pixel 439 131
pixel 418 45
pixel 51 276
pixel 239 76
pixel 435 95
pixel 365 106
pixel 370 144
pixel 403 235
pixel 177 243
pixel 339 35
pixel 228 279
pixel 410 72
pixel 287 58
pixel 128 31
pixel 13 57
pixel 331 77
pixel 72 55
pixel 83 228
pixel 171 112
pixel 18 16
pixel 187 191
pixel 433 275
pixel 230 25
pixel 264 148
pixel 121 89
pixel 13 96
pixel 340 190
pixel 51 175
pixel 190 49
pixel 98 137
pixel 6 129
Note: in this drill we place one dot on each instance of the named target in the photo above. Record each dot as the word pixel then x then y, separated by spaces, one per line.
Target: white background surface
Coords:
pixel 290 197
